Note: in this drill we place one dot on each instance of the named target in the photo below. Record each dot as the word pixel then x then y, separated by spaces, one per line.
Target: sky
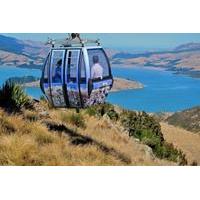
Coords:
pixel 130 41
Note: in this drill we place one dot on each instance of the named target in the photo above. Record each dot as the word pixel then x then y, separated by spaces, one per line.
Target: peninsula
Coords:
pixel 119 84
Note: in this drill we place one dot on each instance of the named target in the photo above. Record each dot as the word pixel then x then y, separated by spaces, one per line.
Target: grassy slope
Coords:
pixel 187 119
pixel 185 140
pixel 55 137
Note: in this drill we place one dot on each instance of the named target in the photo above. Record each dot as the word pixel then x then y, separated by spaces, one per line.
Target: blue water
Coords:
pixel 163 91
pixel 10 71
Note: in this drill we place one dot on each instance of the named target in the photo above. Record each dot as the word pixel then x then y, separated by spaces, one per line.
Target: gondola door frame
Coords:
pixel 73 88
pixel 52 84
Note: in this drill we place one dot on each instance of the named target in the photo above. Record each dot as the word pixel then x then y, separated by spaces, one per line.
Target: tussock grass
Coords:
pixel 70 117
pixel 77 120
pixel 13 98
pixel 32 116
pixel 95 136
pixel 32 143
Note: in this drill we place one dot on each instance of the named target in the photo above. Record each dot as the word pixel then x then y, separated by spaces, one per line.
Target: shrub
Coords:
pixel 77 120
pixel 148 138
pixel 167 151
pixel 139 121
pixel 148 130
pixel 113 115
pixel 42 98
pixel 102 109
pixel 12 97
pixel 92 111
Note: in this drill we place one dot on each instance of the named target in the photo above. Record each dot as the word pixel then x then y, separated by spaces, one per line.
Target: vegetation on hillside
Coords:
pixel 36 134
pixel 12 97
pixel 143 127
pixel 187 119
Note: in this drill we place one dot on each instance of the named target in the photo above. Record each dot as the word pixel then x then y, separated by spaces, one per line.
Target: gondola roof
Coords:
pixel 69 42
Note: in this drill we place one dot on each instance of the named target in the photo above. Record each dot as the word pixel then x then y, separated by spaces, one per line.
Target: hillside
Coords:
pixel 21 53
pixel 187 119
pixel 27 53
pixel 34 133
pixel 187 141
pixel 188 47
pixel 184 59
pixel 63 137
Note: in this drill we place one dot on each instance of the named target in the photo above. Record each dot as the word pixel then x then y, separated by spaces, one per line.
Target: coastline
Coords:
pixel 191 72
pixel 130 66
pixel 125 84
pixel 119 84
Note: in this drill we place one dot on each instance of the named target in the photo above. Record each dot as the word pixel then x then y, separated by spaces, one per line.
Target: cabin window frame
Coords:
pixel 82 80
pixel 108 63
pixel 67 69
pixel 51 75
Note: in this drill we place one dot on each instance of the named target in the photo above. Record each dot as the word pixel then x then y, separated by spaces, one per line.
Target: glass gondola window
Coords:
pixel 98 64
pixel 57 66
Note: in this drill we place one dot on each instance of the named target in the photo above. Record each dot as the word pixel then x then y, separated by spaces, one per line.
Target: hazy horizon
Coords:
pixel 123 41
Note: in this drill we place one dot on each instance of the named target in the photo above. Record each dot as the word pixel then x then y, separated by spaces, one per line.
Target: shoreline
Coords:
pixel 119 84
pixel 193 73
pixel 129 66
pixel 125 84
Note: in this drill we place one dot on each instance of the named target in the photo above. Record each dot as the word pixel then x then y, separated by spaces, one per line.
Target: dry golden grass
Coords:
pixel 111 135
pixel 25 142
pixel 185 140
pixel 26 139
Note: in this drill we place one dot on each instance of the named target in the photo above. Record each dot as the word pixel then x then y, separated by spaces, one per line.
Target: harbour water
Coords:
pixel 163 91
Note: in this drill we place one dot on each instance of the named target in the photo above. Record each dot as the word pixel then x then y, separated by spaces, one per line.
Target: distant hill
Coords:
pixel 188 47
pixel 188 119
pixel 23 80
pixel 26 53
pixel 183 59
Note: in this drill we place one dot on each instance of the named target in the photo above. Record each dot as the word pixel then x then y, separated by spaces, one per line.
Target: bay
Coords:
pixel 163 91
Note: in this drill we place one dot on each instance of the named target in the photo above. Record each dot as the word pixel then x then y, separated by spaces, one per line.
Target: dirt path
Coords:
pixel 187 141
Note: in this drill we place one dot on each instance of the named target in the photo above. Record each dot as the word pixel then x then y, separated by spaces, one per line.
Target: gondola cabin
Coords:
pixel 76 74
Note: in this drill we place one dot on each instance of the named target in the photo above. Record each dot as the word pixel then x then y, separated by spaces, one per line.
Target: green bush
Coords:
pixel 13 97
pixel 148 130
pixel 92 111
pixel 77 120
pixel 113 115
pixel 148 137
pixel 42 98
pixel 167 151
pixel 139 121
pixel 102 109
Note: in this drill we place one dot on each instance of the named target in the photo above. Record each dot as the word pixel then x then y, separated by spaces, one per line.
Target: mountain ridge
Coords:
pixel 183 59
